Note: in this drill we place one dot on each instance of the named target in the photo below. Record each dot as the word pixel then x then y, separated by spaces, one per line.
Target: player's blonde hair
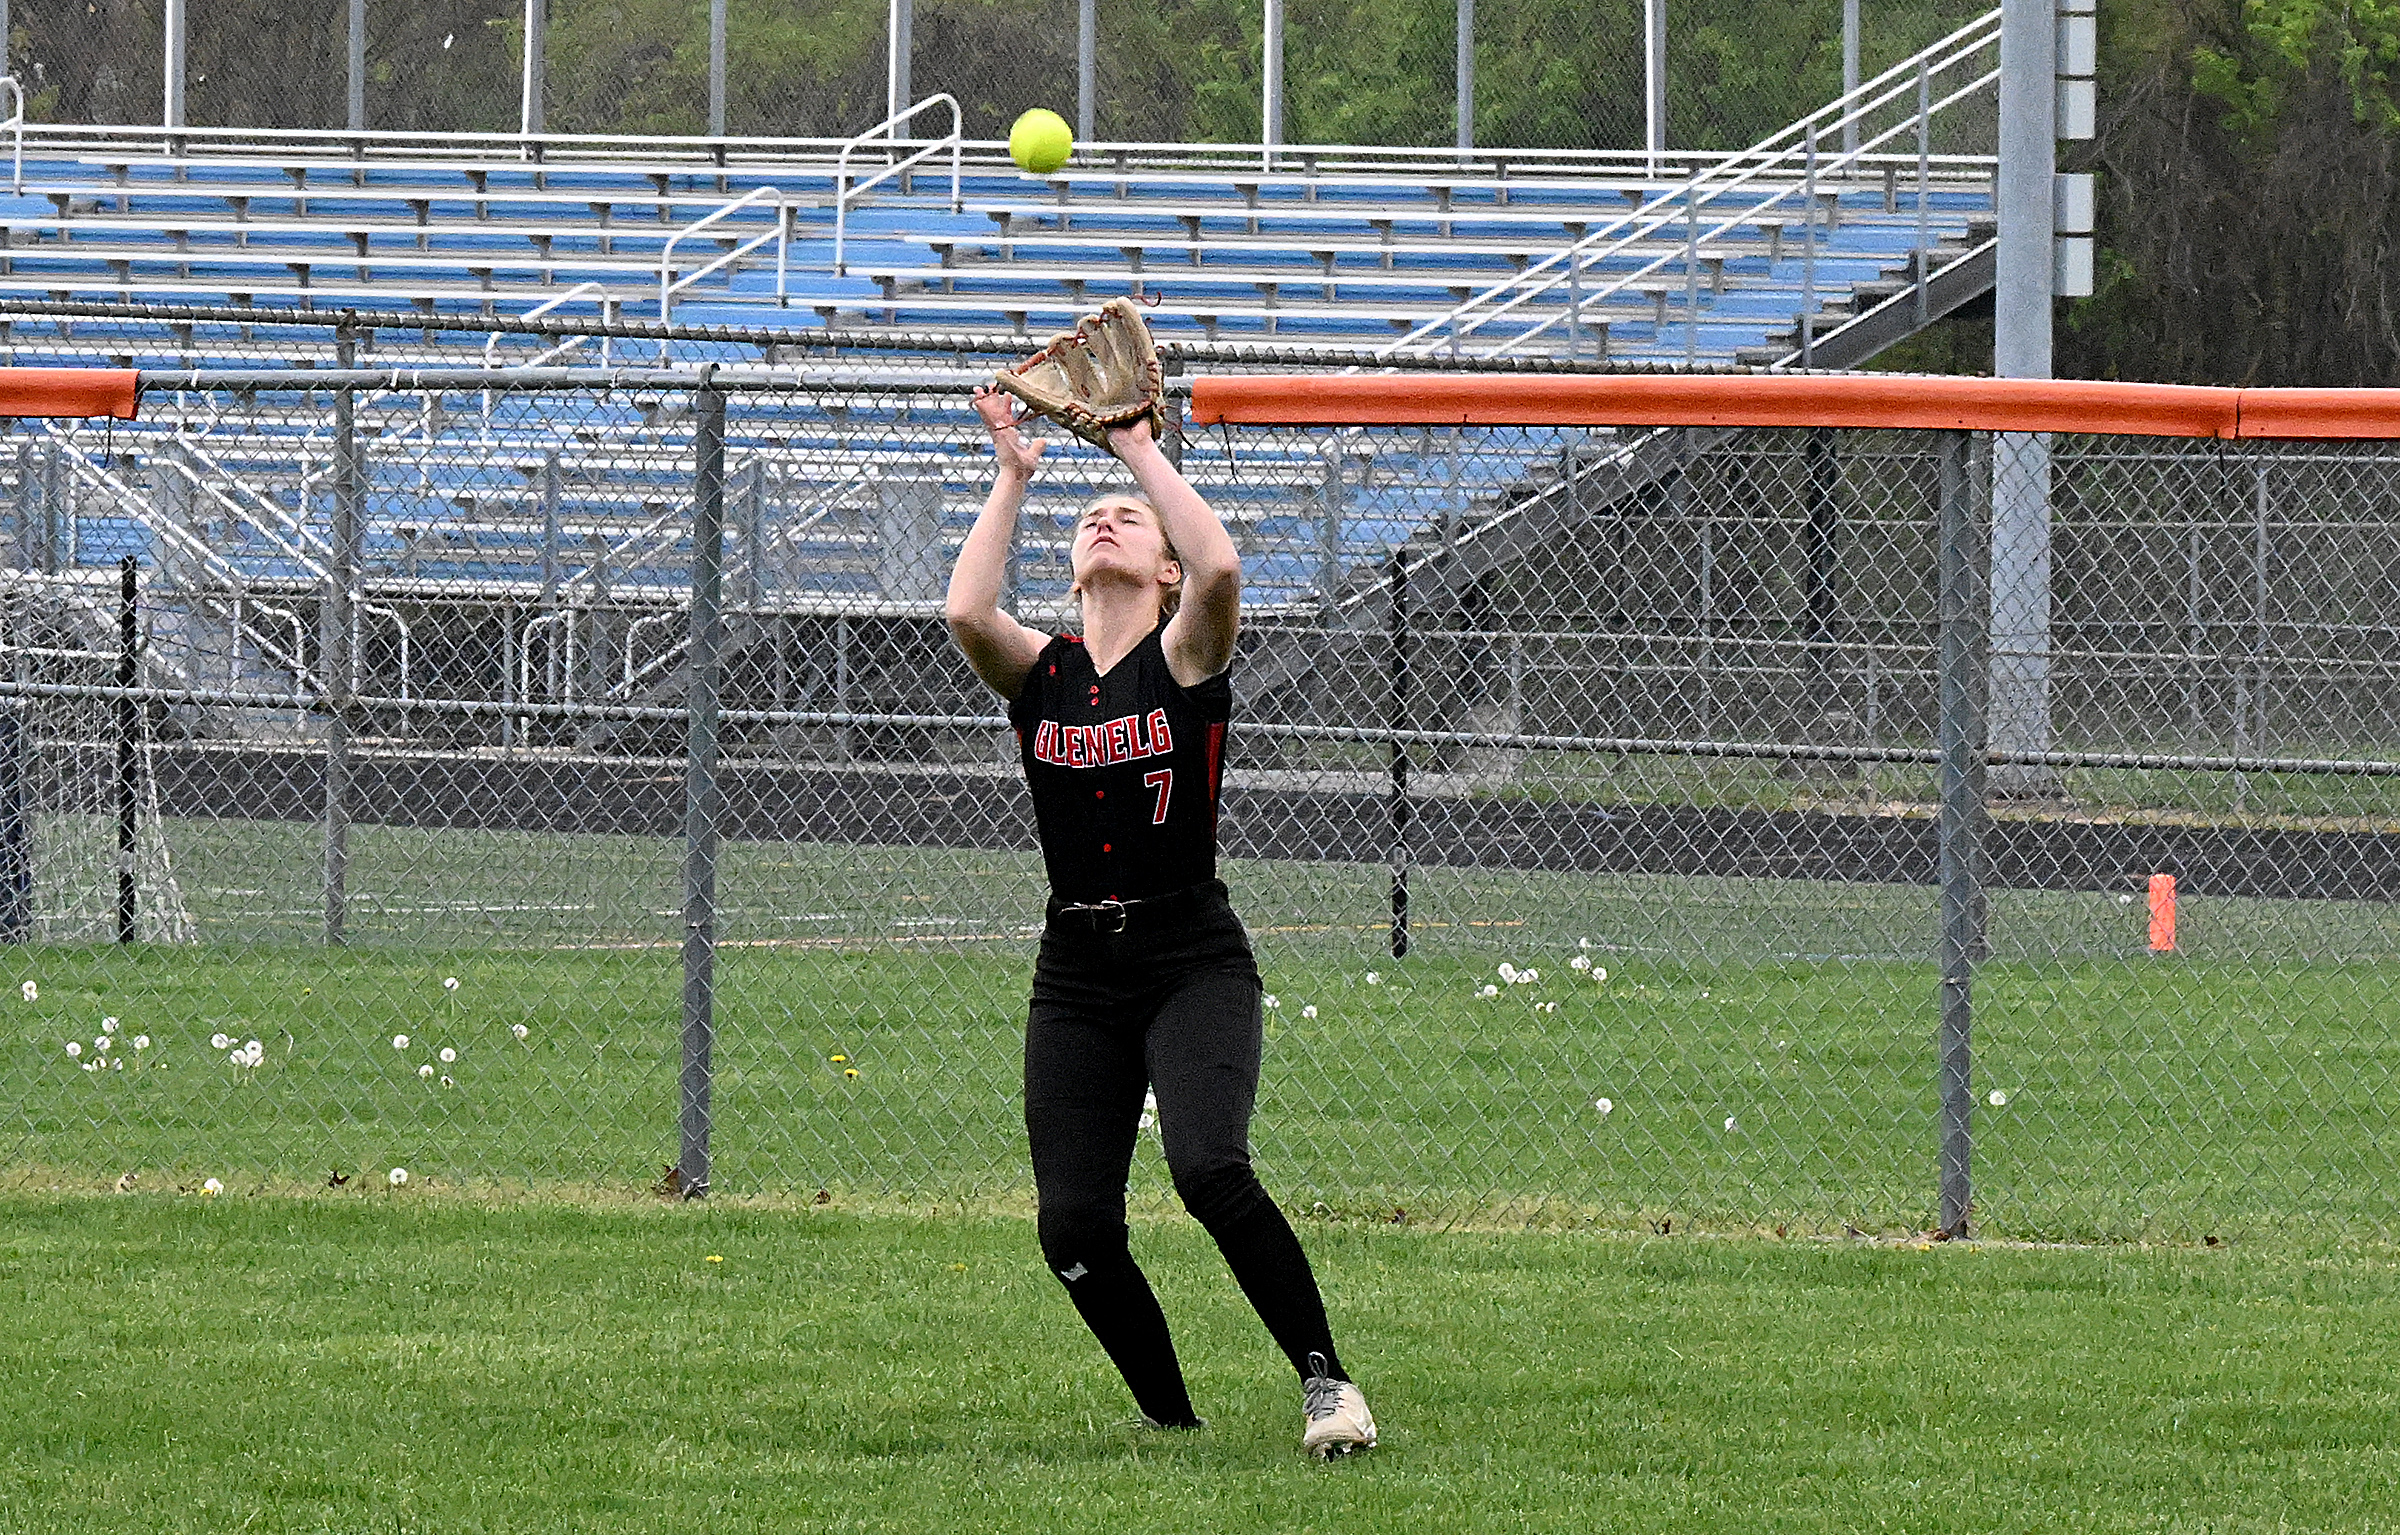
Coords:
pixel 1173 597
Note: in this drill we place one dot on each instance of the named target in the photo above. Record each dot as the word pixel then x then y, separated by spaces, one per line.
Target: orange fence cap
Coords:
pixel 2321 413
pixel 1600 399
pixel 69 392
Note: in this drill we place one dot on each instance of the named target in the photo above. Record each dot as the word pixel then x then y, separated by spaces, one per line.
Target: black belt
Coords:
pixel 1110 916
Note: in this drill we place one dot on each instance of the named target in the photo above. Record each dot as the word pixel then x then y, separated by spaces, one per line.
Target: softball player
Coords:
pixel 1145 979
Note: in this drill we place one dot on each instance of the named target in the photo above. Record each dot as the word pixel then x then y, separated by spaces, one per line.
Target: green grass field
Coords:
pixel 379 1360
pixel 2243 1087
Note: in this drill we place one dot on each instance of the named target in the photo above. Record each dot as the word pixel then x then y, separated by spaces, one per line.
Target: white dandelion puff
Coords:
pixel 446 1082
pixel 1997 1099
pixel 448 1055
pixel 1599 974
pixel 1270 1000
pixel 519 1030
pixel 1580 962
pixel 1508 973
pixel 119 1063
pixel 425 1073
pixel 212 1186
pixel 1605 1106
pixel 2124 900
pixel 108 1025
pixel 399 1041
pixel 101 1043
pixel 237 1057
pixel 1529 976
pixel 219 1042
pixel 141 1041
pixel 1489 990
pixel 398 1176
pixel 93 1065
pixel 1583 943
pixel 74 1048
pixel 1729 1121
pixel 1374 978
pixel 253 1047
pixel 31 992
pixel 1149 1119
pixel 449 983
pixel 1309 1011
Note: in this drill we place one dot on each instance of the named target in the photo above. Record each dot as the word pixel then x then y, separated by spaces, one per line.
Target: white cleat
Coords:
pixel 1338 1420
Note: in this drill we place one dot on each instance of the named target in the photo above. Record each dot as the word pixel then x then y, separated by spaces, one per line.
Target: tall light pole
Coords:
pixel 2019 708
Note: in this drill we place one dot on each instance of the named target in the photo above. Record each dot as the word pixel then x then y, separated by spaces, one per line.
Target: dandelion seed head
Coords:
pixel 101 1043
pixel 74 1047
pixel 2124 900
pixel 212 1186
pixel 30 992
pixel 238 1057
pixel 1270 1000
pixel 1599 974
pixel 1309 1011
pixel 425 1073
pixel 1583 943
pixel 1729 1122
pixel 141 1041
pixel 92 1065
pixel 1488 990
pixel 398 1176
pixel 1997 1099
pixel 448 1055
pixel 519 1030
pixel 399 1041
pixel 1374 978
pixel 446 1082
pixel 1605 1106
pixel 220 1042
pixel 108 1025
pixel 449 983
pixel 1580 962
pixel 1508 973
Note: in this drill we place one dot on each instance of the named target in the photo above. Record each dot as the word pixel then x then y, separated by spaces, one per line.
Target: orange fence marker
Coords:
pixel 2162 913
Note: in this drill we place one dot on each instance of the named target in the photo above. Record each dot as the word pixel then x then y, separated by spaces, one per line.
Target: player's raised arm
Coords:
pixel 999 648
pixel 1198 640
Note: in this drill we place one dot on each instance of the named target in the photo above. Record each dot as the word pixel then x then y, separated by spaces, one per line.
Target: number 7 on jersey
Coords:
pixel 1164 782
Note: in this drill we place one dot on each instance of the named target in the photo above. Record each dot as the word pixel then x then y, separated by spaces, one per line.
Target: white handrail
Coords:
pixel 843 190
pixel 1817 172
pixel 491 345
pixel 1702 186
pixel 669 284
pixel 15 128
pixel 356 632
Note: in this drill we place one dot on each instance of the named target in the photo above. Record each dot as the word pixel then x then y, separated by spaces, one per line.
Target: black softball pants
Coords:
pixel 1170 1005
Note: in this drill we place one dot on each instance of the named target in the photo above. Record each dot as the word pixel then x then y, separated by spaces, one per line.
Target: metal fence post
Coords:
pixel 357 40
pixel 1962 604
pixel 128 720
pixel 1402 676
pixel 701 792
pixel 16 833
pixel 334 658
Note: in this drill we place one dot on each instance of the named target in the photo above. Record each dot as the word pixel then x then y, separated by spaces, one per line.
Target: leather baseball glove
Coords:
pixel 1103 373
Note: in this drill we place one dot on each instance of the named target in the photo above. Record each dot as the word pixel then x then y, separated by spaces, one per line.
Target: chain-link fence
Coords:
pixel 1546 73
pixel 1602 803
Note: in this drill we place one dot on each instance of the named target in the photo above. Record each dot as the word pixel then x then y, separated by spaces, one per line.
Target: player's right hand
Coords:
pixel 1013 448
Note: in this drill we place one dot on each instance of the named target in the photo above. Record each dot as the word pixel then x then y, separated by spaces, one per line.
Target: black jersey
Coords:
pixel 1124 770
